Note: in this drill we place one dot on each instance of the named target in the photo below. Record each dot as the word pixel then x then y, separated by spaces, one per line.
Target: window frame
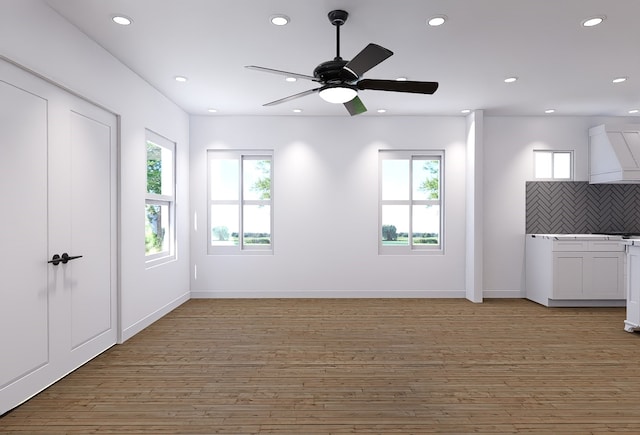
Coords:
pixel 411 156
pixel 169 254
pixel 553 154
pixel 241 248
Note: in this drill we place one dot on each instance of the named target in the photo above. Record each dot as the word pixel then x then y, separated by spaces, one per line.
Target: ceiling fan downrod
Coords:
pixel 338 18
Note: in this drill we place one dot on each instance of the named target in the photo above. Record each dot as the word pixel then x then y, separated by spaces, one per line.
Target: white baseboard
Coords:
pixel 513 294
pixel 132 330
pixel 242 294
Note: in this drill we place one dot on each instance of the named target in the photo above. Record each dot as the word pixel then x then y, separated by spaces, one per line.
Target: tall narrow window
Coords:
pixel 553 165
pixel 240 202
pixel 160 199
pixel 410 202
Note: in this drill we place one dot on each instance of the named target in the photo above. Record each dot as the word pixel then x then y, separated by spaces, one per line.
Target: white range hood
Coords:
pixel 614 154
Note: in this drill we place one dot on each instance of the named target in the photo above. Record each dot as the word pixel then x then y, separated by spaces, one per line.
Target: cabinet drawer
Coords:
pixel 570 246
pixel 606 245
pixel 587 246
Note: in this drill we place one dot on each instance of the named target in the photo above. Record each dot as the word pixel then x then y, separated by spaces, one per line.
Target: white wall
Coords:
pixel 326 180
pixel 508 164
pixel 326 169
pixel 329 164
pixel 34 36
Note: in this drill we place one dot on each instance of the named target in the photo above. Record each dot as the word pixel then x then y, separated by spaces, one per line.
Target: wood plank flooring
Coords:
pixel 336 366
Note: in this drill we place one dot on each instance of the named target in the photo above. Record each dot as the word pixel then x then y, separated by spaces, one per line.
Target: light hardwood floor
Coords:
pixel 335 366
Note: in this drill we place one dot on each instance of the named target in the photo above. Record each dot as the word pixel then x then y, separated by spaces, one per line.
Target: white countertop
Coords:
pixel 581 237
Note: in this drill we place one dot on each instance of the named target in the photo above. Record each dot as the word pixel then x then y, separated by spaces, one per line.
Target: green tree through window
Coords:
pixel 263 184
pixel 431 185
pixel 153 232
pixel 389 233
pixel 159 200
pixel 154 168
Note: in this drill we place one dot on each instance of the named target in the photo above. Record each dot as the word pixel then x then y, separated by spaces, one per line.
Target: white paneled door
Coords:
pixel 58 181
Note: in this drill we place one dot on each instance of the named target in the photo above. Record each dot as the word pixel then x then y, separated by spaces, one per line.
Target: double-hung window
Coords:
pixel 160 199
pixel 240 202
pixel 410 202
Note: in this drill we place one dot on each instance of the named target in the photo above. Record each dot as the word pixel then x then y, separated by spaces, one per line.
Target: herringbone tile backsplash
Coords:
pixel 579 207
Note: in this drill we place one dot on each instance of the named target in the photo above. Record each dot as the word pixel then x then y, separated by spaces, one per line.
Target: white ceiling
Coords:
pixel 560 64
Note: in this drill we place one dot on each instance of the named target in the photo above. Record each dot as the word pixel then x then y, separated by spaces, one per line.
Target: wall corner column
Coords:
pixel 474 206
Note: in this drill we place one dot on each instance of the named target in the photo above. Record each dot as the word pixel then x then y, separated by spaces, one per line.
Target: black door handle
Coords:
pixel 64 259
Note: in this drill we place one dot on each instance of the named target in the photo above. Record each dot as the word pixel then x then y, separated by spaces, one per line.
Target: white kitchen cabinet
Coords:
pixel 575 270
pixel 632 323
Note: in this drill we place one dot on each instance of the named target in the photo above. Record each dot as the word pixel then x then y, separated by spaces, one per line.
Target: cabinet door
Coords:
pixel 568 275
pixel 633 287
pixel 604 276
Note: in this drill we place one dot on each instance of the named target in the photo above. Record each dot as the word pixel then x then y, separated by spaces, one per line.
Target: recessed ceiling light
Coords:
pixel 550 111
pixel 297 110
pixel 593 21
pixel 634 111
pixel 279 20
pixel 619 79
pixel 181 79
pixel 122 20
pixel 290 79
pixel 437 20
pixel 511 79
pixel 212 110
pixel 401 79
pixel 382 110
pixel 465 111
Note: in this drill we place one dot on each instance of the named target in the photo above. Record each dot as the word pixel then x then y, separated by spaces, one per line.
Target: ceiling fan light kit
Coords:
pixel 341 79
pixel 337 94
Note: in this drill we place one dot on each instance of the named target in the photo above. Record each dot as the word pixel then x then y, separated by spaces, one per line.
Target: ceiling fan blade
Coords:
pixel 283 73
pixel 355 106
pixel 292 97
pixel 398 86
pixel 369 57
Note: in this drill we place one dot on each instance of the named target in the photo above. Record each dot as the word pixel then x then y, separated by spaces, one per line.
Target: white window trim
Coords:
pixel 240 249
pixel 411 155
pixel 552 152
pixel 169 255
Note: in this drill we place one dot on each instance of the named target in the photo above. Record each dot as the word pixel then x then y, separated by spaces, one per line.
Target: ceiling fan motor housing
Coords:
pixel 333 72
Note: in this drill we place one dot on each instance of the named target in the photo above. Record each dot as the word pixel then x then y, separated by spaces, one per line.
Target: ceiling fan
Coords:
pixel 341 79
